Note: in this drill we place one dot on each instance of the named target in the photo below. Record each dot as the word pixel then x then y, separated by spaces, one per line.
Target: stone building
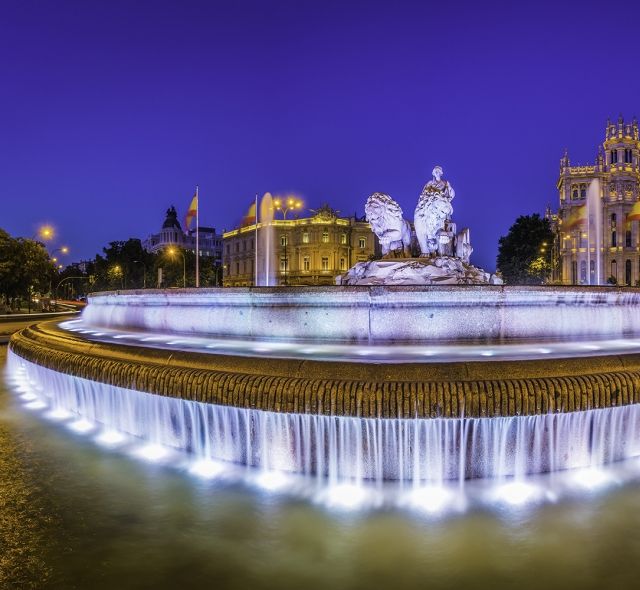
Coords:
pixel 304 251
pixel 171 234
pixel 597 232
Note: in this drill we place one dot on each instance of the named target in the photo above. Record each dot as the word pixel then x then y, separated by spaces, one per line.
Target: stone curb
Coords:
pixel 429 390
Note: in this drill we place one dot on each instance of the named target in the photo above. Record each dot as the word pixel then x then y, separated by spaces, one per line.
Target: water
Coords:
pixel 75 515
pixel 335 450
pixel 594 231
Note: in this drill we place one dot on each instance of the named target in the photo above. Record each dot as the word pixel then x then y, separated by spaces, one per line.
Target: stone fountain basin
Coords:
pixel 375 314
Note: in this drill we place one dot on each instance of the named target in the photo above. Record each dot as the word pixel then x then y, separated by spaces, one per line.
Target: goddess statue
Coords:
pixel 432 218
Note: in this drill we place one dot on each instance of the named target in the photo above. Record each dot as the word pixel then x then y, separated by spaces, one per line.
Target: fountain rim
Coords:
pixel 473 389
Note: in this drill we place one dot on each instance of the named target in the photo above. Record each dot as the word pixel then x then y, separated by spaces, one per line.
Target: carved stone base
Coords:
pixel 442 270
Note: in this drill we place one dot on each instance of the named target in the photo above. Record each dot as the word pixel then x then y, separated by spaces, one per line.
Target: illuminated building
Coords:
pixel 304 251
pixel 598 236
pixel 171 234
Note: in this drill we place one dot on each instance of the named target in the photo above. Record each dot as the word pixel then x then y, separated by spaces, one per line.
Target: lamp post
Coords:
pixel 144 270
pixel 286 205
pixel 45 232
pixel 171 251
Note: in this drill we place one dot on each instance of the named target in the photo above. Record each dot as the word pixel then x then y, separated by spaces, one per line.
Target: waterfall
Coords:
pixel 348 449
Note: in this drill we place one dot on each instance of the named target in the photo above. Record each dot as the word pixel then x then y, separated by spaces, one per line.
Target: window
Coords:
pixel 574 272
pixel 614 271
pixel 305 237
pixel 583 271
pixel 284 264
pixel 283 240
pixel 325 237
pixel 627 238
pixel 362 242
pixel 613 220
pixel 343 238
pixel 237 268
pixel 343 266
pixel 574 194
pixel 628 156
pixel 627 272
pixel 237 246
pixel 614 156
pixel 583 191
pixel 325 263
pixel 305 263
pixel 614 239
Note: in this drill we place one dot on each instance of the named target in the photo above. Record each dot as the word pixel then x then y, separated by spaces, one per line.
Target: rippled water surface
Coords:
pixel 73 515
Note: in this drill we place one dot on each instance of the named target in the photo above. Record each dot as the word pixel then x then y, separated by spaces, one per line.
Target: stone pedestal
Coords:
pixel 441 270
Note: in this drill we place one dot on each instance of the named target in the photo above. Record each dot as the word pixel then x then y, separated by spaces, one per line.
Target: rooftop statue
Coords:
pixel 393 231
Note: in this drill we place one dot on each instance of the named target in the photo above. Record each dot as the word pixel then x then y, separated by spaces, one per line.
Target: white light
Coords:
pixel 429 499
pixel 345 496
pixel 36 405
pixel 516 493
pixel 590 478
pixel 27 397
pixel 487 353
pixel 271 480
pixel 58 414
pixel 82 426
pixel 110 438
pixel 151 452
pixel 544 350
pixel 206 469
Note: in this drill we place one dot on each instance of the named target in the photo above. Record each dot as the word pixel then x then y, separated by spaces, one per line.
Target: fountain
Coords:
pixel 418 370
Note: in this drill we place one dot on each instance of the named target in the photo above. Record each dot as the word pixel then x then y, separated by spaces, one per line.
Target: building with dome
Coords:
pixel 598 233
pixel 171 234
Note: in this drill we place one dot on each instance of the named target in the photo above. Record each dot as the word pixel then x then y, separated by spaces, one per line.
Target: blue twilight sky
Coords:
pixel 112 111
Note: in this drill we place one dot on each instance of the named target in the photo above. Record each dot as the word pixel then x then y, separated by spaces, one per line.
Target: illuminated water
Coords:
pixel 75 514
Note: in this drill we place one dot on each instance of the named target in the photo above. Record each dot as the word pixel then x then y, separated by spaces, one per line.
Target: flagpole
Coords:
pixel 197 238
pixel 255 241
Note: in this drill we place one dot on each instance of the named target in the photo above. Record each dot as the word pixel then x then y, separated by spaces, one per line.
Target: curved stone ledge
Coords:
pixel 428 390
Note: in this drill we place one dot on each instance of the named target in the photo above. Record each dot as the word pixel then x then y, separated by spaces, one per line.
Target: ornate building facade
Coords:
pixel 171 234
pixel 597 230
pixel 304 251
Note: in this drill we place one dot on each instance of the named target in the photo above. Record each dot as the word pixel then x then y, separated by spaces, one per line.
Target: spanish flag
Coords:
pixel 250 217
pixel 192 211
pixel 576 218
pixel 634 214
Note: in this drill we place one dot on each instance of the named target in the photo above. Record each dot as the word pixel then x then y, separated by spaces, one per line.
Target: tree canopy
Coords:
pixel 524 254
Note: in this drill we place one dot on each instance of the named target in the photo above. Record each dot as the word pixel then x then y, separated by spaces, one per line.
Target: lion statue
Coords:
pixel 433 214
pixel 393 231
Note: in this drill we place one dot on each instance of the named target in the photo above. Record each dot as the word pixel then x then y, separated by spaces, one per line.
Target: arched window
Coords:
pixel 614 156
pixel 574 194
pixel 583 191
pixel 627 272
pixel 614 239
pixel 613 220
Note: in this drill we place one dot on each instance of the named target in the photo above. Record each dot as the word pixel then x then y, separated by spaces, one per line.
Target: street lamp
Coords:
pixel 144 270
pixel 45 232
pixel 117 271
pixel 171 251
pixel 285 205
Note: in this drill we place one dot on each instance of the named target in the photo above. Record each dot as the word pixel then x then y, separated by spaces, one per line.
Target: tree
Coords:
pixel 25 268
pixel 524 253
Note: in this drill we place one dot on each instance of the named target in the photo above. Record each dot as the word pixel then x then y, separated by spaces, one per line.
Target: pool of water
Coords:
pixel 75 515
